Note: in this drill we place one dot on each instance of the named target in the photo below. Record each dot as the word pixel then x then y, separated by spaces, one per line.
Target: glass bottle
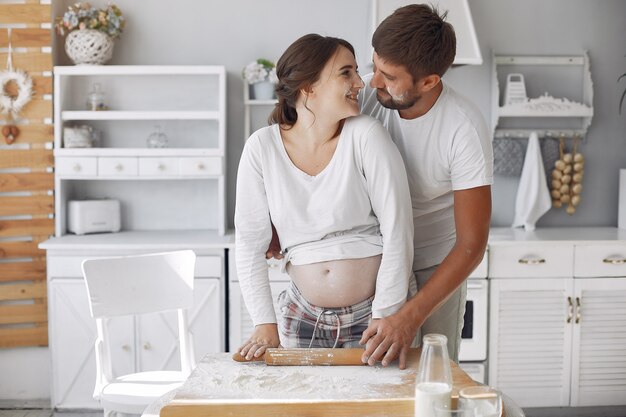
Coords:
pixel 433 384
pixel 157 139
pixel 95 98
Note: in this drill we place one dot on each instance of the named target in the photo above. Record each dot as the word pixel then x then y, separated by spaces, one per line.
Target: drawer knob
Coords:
pixel 77 168
pixel 532 261
pixel 161 167
pixel 119 167
pixel 147 346
pixel 614 261
pixel 125 348
pixel 201 167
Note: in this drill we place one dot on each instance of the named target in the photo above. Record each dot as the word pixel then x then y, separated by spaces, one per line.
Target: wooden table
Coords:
pixel 221 387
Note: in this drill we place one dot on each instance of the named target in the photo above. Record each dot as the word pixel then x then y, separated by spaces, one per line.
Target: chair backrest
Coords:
pixel 140 284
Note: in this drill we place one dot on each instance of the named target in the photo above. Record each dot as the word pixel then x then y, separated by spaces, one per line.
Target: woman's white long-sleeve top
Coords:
pixel 357 206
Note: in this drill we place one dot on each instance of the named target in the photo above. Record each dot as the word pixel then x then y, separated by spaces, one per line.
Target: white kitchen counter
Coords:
pixel 140 241
pixel 566 235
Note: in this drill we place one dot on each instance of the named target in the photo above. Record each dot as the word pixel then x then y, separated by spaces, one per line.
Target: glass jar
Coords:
pixel 433 383
pixel 95 99
pixel 157 139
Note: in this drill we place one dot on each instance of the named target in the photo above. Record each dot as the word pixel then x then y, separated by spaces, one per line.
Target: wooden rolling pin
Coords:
pixel 303 357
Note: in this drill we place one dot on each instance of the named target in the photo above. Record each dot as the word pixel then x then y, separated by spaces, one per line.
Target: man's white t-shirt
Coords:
pixel 358 206
pixel 445 150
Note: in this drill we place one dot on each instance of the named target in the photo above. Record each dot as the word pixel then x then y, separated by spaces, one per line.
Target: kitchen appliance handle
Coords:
pixel 578 310
pixel 570 308
pixel 474 284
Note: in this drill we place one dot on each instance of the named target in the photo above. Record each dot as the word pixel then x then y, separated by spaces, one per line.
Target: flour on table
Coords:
pixel 219 377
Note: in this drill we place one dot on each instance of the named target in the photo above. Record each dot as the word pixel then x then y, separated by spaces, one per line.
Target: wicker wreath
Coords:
pixel 13 105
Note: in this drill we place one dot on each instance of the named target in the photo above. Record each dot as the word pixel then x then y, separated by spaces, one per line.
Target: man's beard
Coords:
pixel 395 104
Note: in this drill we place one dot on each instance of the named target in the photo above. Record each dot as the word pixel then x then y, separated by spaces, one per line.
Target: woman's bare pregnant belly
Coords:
pixel 339 283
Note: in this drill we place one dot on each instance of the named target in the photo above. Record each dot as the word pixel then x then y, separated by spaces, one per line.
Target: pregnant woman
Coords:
pixel 334 186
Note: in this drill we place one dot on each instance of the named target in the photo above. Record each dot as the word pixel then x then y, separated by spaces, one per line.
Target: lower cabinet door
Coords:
pixel 530 336
pixel 72 338
pixel 240 322
pixel 599 348
pixel 157 334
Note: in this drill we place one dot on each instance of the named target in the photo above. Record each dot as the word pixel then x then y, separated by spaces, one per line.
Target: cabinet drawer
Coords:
pixel 65 266
pixel 158 166
pixel 70 266
pixel 600 261
pixel 84 166
pixel 209 165
pixel 112 167
pixel 208 266
pixel 531 261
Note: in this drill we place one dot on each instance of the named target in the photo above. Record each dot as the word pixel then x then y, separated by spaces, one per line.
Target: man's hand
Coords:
pixel 264 336
pixel 388 338
pixel 273 251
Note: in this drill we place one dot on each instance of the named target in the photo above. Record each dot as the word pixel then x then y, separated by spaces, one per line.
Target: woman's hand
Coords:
pixel 264 336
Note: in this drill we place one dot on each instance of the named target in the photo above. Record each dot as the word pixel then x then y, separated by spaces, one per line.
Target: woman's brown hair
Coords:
pixel 417 37
pixel 298 68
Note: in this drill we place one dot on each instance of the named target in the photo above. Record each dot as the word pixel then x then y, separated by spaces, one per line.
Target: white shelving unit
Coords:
pixel 249 104
pixel 546 115
pixel 181 187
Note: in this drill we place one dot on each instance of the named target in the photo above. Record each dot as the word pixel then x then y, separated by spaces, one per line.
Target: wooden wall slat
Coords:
pixel 25 13
pixel 32 227
pixel 23 310
pixel 35 204
pixel 37 109
pixel 33 158
pixel 39 181
pixel 42 85
pixel 29 61
pixel 22 271
pixel 26 38
pixel 28 336
pixel 23 291
pixel 23 313
pixel 21 249
pixel 34 133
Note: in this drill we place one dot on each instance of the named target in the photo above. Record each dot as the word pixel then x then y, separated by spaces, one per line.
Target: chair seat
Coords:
pixel 134 392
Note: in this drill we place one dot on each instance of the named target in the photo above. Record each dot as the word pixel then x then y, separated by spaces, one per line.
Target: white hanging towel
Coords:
pixel 533 197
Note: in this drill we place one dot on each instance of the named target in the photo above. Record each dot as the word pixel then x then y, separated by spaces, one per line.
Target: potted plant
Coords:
pixel 261 76
pixel 91 32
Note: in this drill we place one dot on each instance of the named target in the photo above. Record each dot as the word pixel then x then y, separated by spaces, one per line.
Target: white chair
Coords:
pixel 134 285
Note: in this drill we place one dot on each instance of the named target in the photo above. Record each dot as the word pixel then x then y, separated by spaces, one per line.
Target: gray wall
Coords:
pixel 235 32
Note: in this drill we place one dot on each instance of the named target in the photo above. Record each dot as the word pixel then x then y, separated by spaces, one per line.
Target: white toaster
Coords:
pixel 93 216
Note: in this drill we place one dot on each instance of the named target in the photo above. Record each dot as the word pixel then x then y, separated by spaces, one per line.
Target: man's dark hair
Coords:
pixel 417 37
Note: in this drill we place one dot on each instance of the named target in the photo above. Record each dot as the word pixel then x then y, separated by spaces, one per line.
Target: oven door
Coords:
pixel 474 333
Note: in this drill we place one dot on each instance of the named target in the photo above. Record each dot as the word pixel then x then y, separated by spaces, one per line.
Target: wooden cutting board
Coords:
pixel 221 387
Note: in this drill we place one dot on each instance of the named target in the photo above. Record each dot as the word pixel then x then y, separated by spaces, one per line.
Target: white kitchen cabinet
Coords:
pixel 558 319
pixel 530 340
pixel 239 321
pixel 599 342
pixel 177 187
pixel 138 343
